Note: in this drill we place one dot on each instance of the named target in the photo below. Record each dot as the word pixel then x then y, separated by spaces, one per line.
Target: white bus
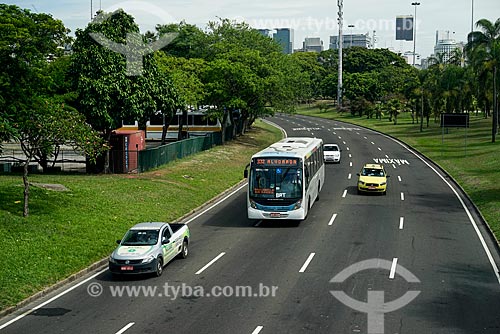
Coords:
pixel 285 179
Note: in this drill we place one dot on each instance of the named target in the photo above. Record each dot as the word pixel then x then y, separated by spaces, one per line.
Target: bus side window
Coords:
pixel 306 174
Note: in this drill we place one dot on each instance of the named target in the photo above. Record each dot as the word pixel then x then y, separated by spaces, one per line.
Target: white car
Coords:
pixel 331 153
pixel 147 247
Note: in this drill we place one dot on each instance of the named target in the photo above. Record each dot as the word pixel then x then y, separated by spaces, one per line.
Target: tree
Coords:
pixel 32 111
pixel 186 77
pixel 108 91
pixel 309 63
pixel 247 74
pixel 191 41
pixel 26 40
pixel 48 124
pixel 364 85
pixel 485 45
pixel 394 104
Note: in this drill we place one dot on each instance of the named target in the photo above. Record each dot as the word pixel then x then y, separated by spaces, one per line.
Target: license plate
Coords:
pixel 275 214
pixel 127 268
pixel 371 188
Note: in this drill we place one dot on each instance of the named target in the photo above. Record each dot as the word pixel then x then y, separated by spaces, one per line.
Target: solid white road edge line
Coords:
pixel 215 204
pixel 469 215
pixel 309 259
pixel 51 299
pixel 393 268
pixel 332 219
pixel 210 263
pixel 121 331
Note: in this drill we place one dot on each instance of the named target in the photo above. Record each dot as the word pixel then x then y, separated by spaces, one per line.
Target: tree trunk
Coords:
pixel 495 106
pixel 166 124
pixel 26 188
pixel 182 121
pixel 422 112
pixel 224 121
pixel 106 159
pixel 43 160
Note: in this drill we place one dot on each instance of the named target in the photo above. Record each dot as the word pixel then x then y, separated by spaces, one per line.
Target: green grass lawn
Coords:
pixel 67 231
pixel 469 157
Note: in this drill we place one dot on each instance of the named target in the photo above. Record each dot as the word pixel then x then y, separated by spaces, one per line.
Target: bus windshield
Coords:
pixel 276 182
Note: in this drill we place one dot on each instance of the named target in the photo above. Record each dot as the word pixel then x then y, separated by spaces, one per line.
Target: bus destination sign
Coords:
pixel 277 162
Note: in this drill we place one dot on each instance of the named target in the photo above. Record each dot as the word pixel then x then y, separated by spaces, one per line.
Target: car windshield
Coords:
pixel 276 183
pixel 140 238
pixel 330 148
pixel 372 172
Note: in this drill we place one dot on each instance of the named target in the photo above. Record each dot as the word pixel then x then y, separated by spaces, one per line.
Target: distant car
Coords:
pixel 148 247
pixel 331 153
pixel 372 178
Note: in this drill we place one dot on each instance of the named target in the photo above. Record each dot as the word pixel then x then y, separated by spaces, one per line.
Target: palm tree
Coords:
pixel 438 61
pixel 486 43
pixel 457 57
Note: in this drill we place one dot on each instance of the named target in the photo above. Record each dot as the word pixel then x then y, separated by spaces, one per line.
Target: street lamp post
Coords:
pixel 415 30
pixel 472 18
pixel 351 26
pixel 340 4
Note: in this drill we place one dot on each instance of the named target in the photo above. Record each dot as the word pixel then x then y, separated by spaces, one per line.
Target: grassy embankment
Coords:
pixel 67 231
pixel 472 160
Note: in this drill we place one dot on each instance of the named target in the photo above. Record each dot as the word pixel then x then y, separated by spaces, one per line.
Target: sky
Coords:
pixel 312 18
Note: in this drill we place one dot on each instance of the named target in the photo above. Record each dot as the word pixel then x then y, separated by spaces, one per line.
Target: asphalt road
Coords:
pixel 423 225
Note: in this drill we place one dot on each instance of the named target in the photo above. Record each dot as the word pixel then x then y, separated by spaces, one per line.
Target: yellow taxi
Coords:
pixel 372 178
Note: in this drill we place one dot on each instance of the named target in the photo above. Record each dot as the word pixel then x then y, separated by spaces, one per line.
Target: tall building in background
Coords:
pixel 312 44
pixel 445 45
pixel 284 36
pixel 361 40
pixel 266 32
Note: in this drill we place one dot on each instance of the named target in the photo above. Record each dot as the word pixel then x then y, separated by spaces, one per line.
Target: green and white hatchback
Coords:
pixel 148 247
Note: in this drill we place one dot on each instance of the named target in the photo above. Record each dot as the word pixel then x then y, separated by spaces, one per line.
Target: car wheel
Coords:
pixel 159 267
pixel 184 251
